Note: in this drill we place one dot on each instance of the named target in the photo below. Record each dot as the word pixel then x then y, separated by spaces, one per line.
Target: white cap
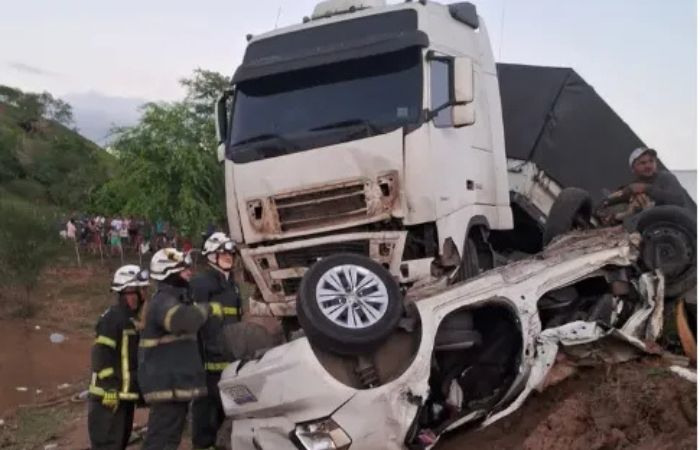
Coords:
pixel 638 152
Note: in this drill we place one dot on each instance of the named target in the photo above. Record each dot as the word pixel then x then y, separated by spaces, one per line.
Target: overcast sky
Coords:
pixel 640 55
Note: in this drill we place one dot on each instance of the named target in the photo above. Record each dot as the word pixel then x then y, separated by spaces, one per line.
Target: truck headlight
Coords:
pixel 323 434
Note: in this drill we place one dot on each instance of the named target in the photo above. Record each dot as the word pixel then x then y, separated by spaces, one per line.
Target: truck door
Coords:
pixel 462 154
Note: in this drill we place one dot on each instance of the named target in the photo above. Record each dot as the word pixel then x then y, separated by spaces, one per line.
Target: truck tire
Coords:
pixel 669 243
pixel 469 264
pixel 348 304
pixel 573 207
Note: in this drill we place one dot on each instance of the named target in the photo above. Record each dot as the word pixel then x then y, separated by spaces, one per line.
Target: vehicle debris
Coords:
pixel 57 338
pixel 685 373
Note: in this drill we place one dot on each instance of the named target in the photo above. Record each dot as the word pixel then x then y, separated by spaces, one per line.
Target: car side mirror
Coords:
pixel 463 79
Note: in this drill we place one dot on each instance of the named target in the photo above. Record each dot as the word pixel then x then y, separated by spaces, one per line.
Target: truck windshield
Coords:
pixel 320 106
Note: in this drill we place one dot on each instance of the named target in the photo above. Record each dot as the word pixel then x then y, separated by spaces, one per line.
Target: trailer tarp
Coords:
pixel 554 118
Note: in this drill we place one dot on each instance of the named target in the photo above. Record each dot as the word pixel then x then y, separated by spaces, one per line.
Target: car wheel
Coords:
pixel 669 243
pixel 348 304
pixel 572 209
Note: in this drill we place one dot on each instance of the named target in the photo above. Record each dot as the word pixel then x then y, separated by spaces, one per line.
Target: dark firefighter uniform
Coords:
pixel 170 367
pixel 113 388
pixel 221 293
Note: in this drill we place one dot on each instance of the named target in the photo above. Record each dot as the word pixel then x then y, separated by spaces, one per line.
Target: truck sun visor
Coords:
pixel 325 44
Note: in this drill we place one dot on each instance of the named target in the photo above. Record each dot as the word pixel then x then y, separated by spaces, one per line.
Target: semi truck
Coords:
pixel 389 131
pixel 379 168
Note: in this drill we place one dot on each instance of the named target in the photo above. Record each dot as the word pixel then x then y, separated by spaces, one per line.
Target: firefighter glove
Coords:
pixel 111 400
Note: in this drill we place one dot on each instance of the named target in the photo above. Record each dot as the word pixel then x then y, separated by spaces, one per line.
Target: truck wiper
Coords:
pixel 268 137
pixel 371 128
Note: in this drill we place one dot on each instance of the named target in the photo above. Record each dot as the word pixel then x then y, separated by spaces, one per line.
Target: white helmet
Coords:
pixel 130 275
pixel 218 243
pixel 168 261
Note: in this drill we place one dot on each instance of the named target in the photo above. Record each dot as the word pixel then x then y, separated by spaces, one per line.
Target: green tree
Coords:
pixel 30 109
pixel 167 162
pixel 28 243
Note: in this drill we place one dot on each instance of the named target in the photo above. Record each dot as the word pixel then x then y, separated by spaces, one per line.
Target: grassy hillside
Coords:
pixel 46 163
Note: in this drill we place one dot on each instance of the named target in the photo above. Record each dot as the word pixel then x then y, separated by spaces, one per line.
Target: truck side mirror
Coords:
pixel 221 152
pixel 220 114
pixel 463 115
pixel 463 79
pixel 221 124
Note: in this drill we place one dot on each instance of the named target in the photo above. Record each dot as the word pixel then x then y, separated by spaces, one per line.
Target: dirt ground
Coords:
pixel 637 405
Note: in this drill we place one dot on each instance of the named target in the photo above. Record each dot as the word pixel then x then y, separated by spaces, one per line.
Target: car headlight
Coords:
pixel 323 434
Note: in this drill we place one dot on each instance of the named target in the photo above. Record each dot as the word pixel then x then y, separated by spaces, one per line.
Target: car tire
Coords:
pixel 669 243
pixel 572 207
pixel 348 304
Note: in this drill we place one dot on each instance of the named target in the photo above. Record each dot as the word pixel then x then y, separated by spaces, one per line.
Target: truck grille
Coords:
pixel 290 286
pixel 305 257
pixel 319 207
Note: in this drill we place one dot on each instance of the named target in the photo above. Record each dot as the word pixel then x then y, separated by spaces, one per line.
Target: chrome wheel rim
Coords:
pixel 352 296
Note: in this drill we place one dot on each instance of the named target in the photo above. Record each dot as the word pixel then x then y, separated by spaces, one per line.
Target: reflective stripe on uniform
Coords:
pixel 106 372
pixel 179 394
pixel 169 317
pixel 216 308
pixel 230 310
pixel 216 366
pixel 99 392
pixel 126 374
pixel 104 340
pixel 166 340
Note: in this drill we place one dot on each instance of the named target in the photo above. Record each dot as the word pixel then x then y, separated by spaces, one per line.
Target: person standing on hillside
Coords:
pixel 216 287
pixel 170 372
pixel 71 229
pixel 113 391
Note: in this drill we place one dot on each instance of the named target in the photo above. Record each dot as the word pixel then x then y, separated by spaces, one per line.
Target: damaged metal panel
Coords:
pixel 278 269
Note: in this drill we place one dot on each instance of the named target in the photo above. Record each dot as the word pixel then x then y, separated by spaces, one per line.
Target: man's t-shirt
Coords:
pixel 665 189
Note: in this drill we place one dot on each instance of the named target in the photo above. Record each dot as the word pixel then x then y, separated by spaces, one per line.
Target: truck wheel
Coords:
pixel 669 243
pixel 469 265
pixel 571 209
pixel 348 304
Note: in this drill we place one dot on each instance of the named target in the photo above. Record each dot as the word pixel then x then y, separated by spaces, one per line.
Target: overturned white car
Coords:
pixel 376 372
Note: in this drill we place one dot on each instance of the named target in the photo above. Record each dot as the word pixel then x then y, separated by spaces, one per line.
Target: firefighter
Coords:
pixel 170 372
pixel 216 287
pixel 113 390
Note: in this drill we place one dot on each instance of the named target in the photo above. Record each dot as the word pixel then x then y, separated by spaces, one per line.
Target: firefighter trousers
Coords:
pixel 207 415
pixel 166 422
pixel 109 429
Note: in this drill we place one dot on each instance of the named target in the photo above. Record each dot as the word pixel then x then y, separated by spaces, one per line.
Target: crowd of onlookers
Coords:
pixel 120 234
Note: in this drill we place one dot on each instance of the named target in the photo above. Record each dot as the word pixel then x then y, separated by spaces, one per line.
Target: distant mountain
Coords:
pixel 95 114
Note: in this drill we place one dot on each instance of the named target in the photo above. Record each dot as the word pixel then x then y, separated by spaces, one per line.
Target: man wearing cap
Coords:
pixel 215 287
pixel 652 186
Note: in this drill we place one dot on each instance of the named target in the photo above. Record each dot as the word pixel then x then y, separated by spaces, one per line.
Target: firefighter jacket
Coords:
pixel 170 367
pixel 221 292
pixel 114 354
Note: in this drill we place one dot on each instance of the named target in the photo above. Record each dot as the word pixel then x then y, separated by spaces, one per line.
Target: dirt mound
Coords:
pixel 636 405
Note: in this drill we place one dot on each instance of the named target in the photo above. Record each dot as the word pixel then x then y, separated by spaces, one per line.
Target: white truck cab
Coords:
pixel 372 129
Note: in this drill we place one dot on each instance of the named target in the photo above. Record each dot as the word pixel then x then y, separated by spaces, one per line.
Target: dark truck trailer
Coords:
pixel 559 133
pixel 553 118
